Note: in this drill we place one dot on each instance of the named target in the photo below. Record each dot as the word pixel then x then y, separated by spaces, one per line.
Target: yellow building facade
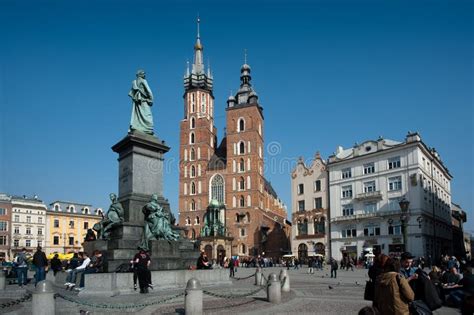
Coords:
pixel 67 224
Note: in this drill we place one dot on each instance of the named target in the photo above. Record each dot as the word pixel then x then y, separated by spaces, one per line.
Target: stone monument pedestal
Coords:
pixel 140 160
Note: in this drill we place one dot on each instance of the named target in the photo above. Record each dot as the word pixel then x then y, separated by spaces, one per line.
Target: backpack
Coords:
pixel 426 291
pixel 20 259
pixel 124 268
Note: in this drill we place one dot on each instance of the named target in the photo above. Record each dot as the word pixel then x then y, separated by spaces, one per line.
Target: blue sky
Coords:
pixel 328 73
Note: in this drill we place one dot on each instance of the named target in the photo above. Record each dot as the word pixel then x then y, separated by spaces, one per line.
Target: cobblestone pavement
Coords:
pixel 310 294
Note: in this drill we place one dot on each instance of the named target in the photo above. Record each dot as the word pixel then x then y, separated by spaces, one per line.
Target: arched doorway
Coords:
pixel 208 251
pixel 302 252
pixel 220 254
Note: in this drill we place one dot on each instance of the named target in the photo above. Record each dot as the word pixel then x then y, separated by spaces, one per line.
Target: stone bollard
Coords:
pixel 193 298
pixel 258 276
pixel 285 280
pixel 43 299
pixel 3 280
pixel 273 289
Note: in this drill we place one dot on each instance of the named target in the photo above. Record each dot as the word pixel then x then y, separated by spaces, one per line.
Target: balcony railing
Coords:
pixel 371 195
pixel 365 215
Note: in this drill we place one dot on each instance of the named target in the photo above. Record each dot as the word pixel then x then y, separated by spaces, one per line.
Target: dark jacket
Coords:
pixel 56 264
pixel 39 259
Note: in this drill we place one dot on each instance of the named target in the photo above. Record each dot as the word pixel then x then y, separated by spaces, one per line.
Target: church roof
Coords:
pixel 269 188
pixel 219 160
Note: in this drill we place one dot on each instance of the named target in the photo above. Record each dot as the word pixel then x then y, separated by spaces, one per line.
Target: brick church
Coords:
pixel 231 171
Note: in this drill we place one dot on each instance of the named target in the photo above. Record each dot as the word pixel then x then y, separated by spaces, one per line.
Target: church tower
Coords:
pixel 197 139
pixel 245 164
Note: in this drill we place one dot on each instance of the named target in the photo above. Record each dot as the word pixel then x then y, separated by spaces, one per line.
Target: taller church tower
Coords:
pixel 197 137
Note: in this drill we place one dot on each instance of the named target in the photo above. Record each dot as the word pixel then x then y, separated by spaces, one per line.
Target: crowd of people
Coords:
pixel 407 285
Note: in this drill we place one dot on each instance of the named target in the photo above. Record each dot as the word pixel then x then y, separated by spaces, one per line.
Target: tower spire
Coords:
pixel 198 65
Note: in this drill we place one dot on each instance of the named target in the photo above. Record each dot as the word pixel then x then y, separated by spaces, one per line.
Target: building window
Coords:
pixel 394 230
pixel 317 185
pixel 193 171
pixel 301 205
pixel 28 219
pixel 191 138
pixel 40 231
pixel 3 225
pixel 193 205
pixel 303 227
pixel 86 225
pixel 349 233
pixel 242 165
pixel 241 125
pixel 28 230
pixel 393 204
pixel 347 191
pixel 196 220
pixel 28 243
pixel 241 183
pixel 71 240
pixel 346 173
pixel 318 203
pixel 300 189
pixel 3 211
pixel 71 224
pixel 17 218
pixel 56 223
pixel 188 221
pixel 243 249
pixel 40 220
pixel 193 188
pixel 217 188
pixel 369 186
pixel 193 123
pixel 56 207
pixel 242 232
pixel 347 210
pixel 241 147
pixel 71 208
pixel 192 155
pixel 16 243
pixel 394 163
pixel 395 183
pixel 320 226
pixel 369 168
pixel 3 240
pixel 370 207
pixel 371 231
pixel 16 230
pixel 242 201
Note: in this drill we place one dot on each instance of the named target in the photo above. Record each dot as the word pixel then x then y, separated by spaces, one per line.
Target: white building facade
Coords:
pixel 309 209
pixel 368 181
pixel 28 224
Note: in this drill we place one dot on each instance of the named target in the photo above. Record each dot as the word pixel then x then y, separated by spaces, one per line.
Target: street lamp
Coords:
pixel 404 218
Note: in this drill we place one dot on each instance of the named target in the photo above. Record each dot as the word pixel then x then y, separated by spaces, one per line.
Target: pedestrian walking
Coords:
pixel 334 267
pixel 41 263
pixel 21 268
pixel 231 268
pixel 142 261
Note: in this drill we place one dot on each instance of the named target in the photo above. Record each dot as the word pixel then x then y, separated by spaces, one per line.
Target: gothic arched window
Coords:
pixel 193 188
pixel 217 188
pixel 242 165
pixel 191 138
pixel 241 126
pixel 241 183
pixel 193 122
pixel 192 154
pixel 193 205
pixel 241 147
pixel 242 201
pixel 193 171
